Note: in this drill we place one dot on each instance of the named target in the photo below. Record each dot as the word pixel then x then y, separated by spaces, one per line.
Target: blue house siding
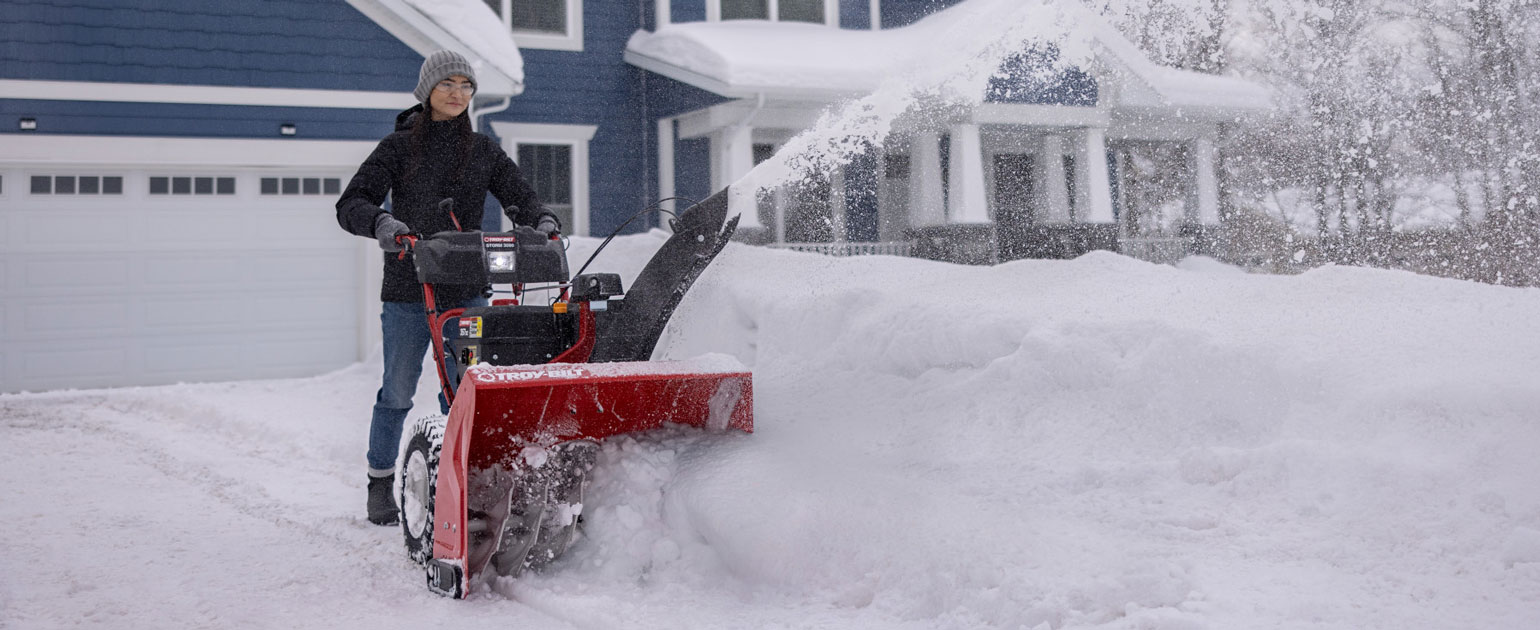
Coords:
pixel 595 87
pixel 692 159
pixel 687 11
pixel 257 43
pixel 905 12
pixel 855 14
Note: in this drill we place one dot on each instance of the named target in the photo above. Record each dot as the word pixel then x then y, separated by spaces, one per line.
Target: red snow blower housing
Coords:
pixel 533 388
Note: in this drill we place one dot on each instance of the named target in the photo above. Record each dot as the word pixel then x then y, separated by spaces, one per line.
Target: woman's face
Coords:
pixel 451 96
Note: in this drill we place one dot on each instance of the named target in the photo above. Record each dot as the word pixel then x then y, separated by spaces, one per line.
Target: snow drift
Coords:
pixel 1097 443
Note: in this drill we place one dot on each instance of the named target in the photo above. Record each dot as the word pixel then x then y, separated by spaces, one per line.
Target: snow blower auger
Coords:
pixel 498 484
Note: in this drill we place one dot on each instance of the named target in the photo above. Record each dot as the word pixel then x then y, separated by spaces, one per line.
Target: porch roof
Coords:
pixel 750 58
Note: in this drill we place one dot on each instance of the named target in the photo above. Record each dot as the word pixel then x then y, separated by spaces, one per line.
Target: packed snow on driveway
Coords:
pixel 1095 443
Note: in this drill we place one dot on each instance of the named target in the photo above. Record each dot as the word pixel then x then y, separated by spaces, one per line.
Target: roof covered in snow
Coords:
pixel 748 58
pixel 468 27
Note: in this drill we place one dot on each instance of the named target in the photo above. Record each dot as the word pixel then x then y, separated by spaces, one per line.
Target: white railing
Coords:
pixel 885 248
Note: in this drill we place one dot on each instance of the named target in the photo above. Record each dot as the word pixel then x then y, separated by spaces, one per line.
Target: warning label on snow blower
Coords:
pixel 470 327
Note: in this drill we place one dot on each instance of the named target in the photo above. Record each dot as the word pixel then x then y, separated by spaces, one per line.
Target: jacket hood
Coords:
pixel 408 117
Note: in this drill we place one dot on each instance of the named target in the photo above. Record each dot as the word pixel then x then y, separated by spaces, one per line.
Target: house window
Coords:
pixel 545 24
pixel 192 185
pixel 548 167
pixel 811 11
pixel 554 158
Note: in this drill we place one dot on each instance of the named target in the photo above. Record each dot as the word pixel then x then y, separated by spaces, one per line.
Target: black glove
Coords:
pixel 549 226
pixel 386 229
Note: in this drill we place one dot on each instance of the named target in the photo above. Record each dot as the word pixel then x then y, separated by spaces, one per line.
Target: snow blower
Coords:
pixel 497 485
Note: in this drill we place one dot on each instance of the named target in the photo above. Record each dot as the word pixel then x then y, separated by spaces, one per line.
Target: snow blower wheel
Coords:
pixel 419 477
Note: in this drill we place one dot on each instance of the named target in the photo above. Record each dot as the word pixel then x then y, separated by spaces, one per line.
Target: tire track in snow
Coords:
pixel 246 498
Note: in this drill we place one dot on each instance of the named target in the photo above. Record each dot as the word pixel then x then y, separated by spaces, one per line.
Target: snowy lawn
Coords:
pixel 1098 443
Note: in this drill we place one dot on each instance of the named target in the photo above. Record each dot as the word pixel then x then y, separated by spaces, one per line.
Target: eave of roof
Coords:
pixel 497 76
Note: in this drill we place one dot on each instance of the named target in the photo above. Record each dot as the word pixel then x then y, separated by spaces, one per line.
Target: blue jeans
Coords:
pixel 406 338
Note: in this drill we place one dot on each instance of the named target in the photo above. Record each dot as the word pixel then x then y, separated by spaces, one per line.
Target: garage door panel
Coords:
pixel 275 352
pixel 329 310
pixel 165 271
pixel 66 318
pixel 50 366
pixel 283 353
pixel 74 273
pixel 76 230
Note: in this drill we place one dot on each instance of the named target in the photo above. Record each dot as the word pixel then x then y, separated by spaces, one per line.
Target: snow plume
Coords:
pixel 967 49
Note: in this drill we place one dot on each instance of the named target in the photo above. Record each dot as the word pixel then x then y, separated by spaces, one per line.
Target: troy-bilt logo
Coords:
pixel 491 376
pixel 499 240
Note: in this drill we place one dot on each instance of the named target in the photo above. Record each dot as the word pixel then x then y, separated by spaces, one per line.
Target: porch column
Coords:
pixel 663 14
pixel 736 157
pixel 1053 191
pixel 837 204
pixel 967 203
pixel 666 163
pixel 927 204
pixel 1205 184
pixel 1093 187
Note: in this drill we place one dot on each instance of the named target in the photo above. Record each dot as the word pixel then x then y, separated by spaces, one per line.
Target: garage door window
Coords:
pixel 192 185
pixel 301 186
pixel 77 185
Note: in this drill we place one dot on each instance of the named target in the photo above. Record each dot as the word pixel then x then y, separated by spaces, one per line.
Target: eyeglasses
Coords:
pixel 465 89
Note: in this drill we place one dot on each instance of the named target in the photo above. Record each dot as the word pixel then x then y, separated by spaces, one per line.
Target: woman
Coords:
pixel 433 155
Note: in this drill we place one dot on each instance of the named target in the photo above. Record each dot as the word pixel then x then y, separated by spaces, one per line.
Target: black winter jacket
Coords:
pixel 416 185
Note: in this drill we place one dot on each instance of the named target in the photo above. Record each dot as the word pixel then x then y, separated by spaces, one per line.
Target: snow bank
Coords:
pixel 1097 443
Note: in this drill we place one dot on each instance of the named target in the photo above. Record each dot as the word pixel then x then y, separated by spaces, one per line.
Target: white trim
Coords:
pixel 722 88
pixel 290 153
pixel 576 136
pixel 780 115
pixel 572 40
pixel 1040 115
pixel 831 11
pixel 875 6
pixel 201 94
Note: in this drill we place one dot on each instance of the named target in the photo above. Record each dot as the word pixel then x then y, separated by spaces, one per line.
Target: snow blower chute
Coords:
pixel 498 484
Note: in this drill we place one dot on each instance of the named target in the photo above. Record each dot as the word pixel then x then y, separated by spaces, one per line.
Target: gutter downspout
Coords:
pixel 495 109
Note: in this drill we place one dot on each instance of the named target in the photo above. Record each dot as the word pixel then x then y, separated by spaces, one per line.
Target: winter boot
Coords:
pixel 382 506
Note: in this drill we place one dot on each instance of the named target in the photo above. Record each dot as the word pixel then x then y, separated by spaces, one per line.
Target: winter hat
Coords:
pixel 437 67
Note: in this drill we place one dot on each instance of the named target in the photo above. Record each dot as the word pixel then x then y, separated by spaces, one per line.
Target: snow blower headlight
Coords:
pixel 500 262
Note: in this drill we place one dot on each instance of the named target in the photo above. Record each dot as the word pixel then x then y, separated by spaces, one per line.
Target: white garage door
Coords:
pixel 138 274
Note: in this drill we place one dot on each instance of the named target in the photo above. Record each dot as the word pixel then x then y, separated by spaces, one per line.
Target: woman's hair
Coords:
pixel 462 129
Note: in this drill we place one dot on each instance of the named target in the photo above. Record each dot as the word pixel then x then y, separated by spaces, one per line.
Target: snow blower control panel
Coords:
pixel 522 256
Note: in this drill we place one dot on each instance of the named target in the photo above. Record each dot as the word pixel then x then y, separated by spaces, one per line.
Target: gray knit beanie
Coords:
pixel 437 67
